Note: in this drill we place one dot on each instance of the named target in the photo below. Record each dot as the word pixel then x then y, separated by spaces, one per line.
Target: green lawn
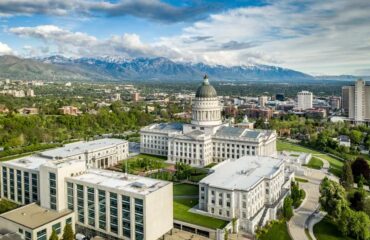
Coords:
pixel 185 189
pixel 335 164
pixel 181 212
pixel 300 179
pixel 277 231
pixel 287 146
pixel 326 230
pixel 315 163
pixel 143 162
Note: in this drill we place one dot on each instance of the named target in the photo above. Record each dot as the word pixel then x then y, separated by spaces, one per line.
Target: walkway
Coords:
pixel 301 219
pixel 297 223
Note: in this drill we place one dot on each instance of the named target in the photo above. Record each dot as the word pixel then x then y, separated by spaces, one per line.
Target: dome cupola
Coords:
pixel 206 90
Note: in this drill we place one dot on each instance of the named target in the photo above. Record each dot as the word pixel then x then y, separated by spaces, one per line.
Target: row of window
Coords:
pixel 102 210
pixel 13 190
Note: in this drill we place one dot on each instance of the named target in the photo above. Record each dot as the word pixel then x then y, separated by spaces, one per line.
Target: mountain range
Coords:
pixel 57 67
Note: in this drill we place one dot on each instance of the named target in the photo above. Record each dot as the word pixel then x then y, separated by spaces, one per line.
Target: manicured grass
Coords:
pixel 6 206
pixel 335 164
pixel 15 156
pixel 277 231
pixel 326 230
pixel 300 179
pixel 287 146
pixel 185 189
pixel 143 162
pixel 315 163
pixel 181 212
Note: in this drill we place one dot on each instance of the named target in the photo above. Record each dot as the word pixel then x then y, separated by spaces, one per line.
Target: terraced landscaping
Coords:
pixel 335 164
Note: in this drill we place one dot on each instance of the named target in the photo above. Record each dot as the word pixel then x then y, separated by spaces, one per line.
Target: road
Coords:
pixel 298 222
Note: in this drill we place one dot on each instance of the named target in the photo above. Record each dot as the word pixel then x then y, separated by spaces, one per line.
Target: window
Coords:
pixel 70 196
pixel 12 194
pixel 69 221
pixel 19 186
pixel 34 187
pixel 26 179
pixel 27 236
pixel 126 222
pixel 139 220
pixel 113 213
pixel 57 228
pixel 102 209
pixel 91 206
pixel 5 182
pixel 80 203
pixel 41 235
pixel 53 191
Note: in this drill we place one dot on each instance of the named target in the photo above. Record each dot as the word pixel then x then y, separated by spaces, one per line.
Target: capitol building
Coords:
pixel 207 139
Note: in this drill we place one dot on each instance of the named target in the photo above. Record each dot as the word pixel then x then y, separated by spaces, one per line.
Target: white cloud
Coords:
pixel 319 37
pixel 77 44
pixel 5 49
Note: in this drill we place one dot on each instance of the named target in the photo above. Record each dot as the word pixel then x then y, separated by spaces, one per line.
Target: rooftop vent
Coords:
pixel 138 185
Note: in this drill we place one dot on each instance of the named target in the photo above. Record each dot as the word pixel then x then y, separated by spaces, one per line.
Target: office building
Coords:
pixel 356 102
pixel 304 100
pixel 69 186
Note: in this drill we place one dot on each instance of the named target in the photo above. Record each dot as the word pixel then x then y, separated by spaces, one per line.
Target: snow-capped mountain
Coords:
pixel 110 68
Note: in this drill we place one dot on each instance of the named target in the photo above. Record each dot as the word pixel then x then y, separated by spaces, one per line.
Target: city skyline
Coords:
pixel 312 36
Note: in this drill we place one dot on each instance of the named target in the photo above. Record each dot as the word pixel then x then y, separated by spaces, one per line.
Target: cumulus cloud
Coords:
pixel 5 49
pixel 312 36
pixel 149 9
pixel 79 44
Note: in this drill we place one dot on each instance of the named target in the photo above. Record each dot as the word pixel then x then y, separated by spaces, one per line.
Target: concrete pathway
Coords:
pixel 307 215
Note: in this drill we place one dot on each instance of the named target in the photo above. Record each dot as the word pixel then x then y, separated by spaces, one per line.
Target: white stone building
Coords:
pixel 207 139
pixel 250 189
pixel 304 100
pixel 65 180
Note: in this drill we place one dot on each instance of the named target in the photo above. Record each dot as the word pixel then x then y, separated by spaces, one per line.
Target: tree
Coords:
pixel 296 194
pixel 333 198
pixel 367 206
pixel 357 200
pixel 355 136
pixel 54 235
pixel 68 233
pixel 347 176
pixel 360 167
pixel 288 208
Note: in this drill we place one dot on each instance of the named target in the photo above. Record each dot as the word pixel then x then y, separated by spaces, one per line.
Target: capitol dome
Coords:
pixel 206 90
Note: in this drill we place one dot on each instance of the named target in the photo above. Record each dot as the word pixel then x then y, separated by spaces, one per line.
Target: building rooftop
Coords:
pixel 32 162
pixel 241 132
pixel 33 216
pixel 76 148
pixel 242 173
pixel 166 127
pixel 120 181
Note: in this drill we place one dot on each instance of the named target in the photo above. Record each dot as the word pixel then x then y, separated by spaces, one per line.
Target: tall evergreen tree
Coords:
pixel 288 208
pixel 54 235
pixel 347 176
pixel 68 233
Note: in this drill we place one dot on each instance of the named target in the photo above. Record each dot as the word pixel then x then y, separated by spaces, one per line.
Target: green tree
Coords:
pixel 68 233
pixel 347 176
pixel 333 198
pixel 356 136
pixel 288 208
pixel 54 235
pixel 360 167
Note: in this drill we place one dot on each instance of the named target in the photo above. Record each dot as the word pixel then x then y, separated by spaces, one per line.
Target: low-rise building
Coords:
pixel 33 222
pixel 251 189
pixel 69 110
pixel 70 188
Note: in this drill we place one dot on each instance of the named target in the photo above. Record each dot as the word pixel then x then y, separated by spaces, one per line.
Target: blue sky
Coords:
pixel 313 36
